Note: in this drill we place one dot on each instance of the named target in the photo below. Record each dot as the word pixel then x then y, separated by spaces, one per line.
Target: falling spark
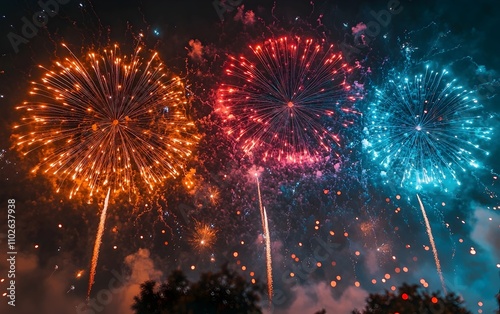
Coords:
pixel 203 237
pixel 97 245
pixel 433 245
pixel 269 264
pixel 55 268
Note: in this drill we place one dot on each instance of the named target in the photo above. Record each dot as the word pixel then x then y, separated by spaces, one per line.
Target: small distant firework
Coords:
pixel 100 122
pixel 213 195
pixel 203 237
pixel 285 101
pixel 423 130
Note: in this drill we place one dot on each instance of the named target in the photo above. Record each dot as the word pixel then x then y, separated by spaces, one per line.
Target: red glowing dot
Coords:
pixel 404 296
pixel 434 300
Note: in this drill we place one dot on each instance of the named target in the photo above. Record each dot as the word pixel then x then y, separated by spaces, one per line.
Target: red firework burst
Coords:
pixel 286 100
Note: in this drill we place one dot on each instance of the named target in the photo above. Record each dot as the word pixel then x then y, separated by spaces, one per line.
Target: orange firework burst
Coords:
pixel 204 236
pixel 108 120
pixel 105 122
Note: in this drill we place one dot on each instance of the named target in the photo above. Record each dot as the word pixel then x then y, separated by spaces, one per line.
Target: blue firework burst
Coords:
pixel 425 130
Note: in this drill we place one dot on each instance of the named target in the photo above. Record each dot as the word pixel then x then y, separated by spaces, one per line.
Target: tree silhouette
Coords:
pixel 409 300
pixel 221 292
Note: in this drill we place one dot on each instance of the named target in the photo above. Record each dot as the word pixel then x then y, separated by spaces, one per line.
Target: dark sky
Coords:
pixel 373 241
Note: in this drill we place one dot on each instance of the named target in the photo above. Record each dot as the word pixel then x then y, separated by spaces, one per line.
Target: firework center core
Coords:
pixel 290 104
pixel 115 122
pixel 419 128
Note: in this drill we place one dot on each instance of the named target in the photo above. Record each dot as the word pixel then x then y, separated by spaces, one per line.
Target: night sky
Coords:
pixel 339 228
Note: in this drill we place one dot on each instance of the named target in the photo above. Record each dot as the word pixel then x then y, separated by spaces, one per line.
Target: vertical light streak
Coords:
pixel 269 263
pixel 97 244
pixel 433 244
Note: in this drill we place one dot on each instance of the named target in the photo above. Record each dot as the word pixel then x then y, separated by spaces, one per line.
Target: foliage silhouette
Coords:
pixel 409 299
pixel 222 292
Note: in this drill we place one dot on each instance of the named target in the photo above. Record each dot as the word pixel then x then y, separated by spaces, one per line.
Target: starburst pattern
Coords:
pixel 286 100
pixel 424 130
pixel 107 121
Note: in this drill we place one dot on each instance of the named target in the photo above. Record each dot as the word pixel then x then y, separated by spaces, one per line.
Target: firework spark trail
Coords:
pixel 269 263
pixel 433 245
pixel 269 260
pixel 55 269
pixel 97 245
